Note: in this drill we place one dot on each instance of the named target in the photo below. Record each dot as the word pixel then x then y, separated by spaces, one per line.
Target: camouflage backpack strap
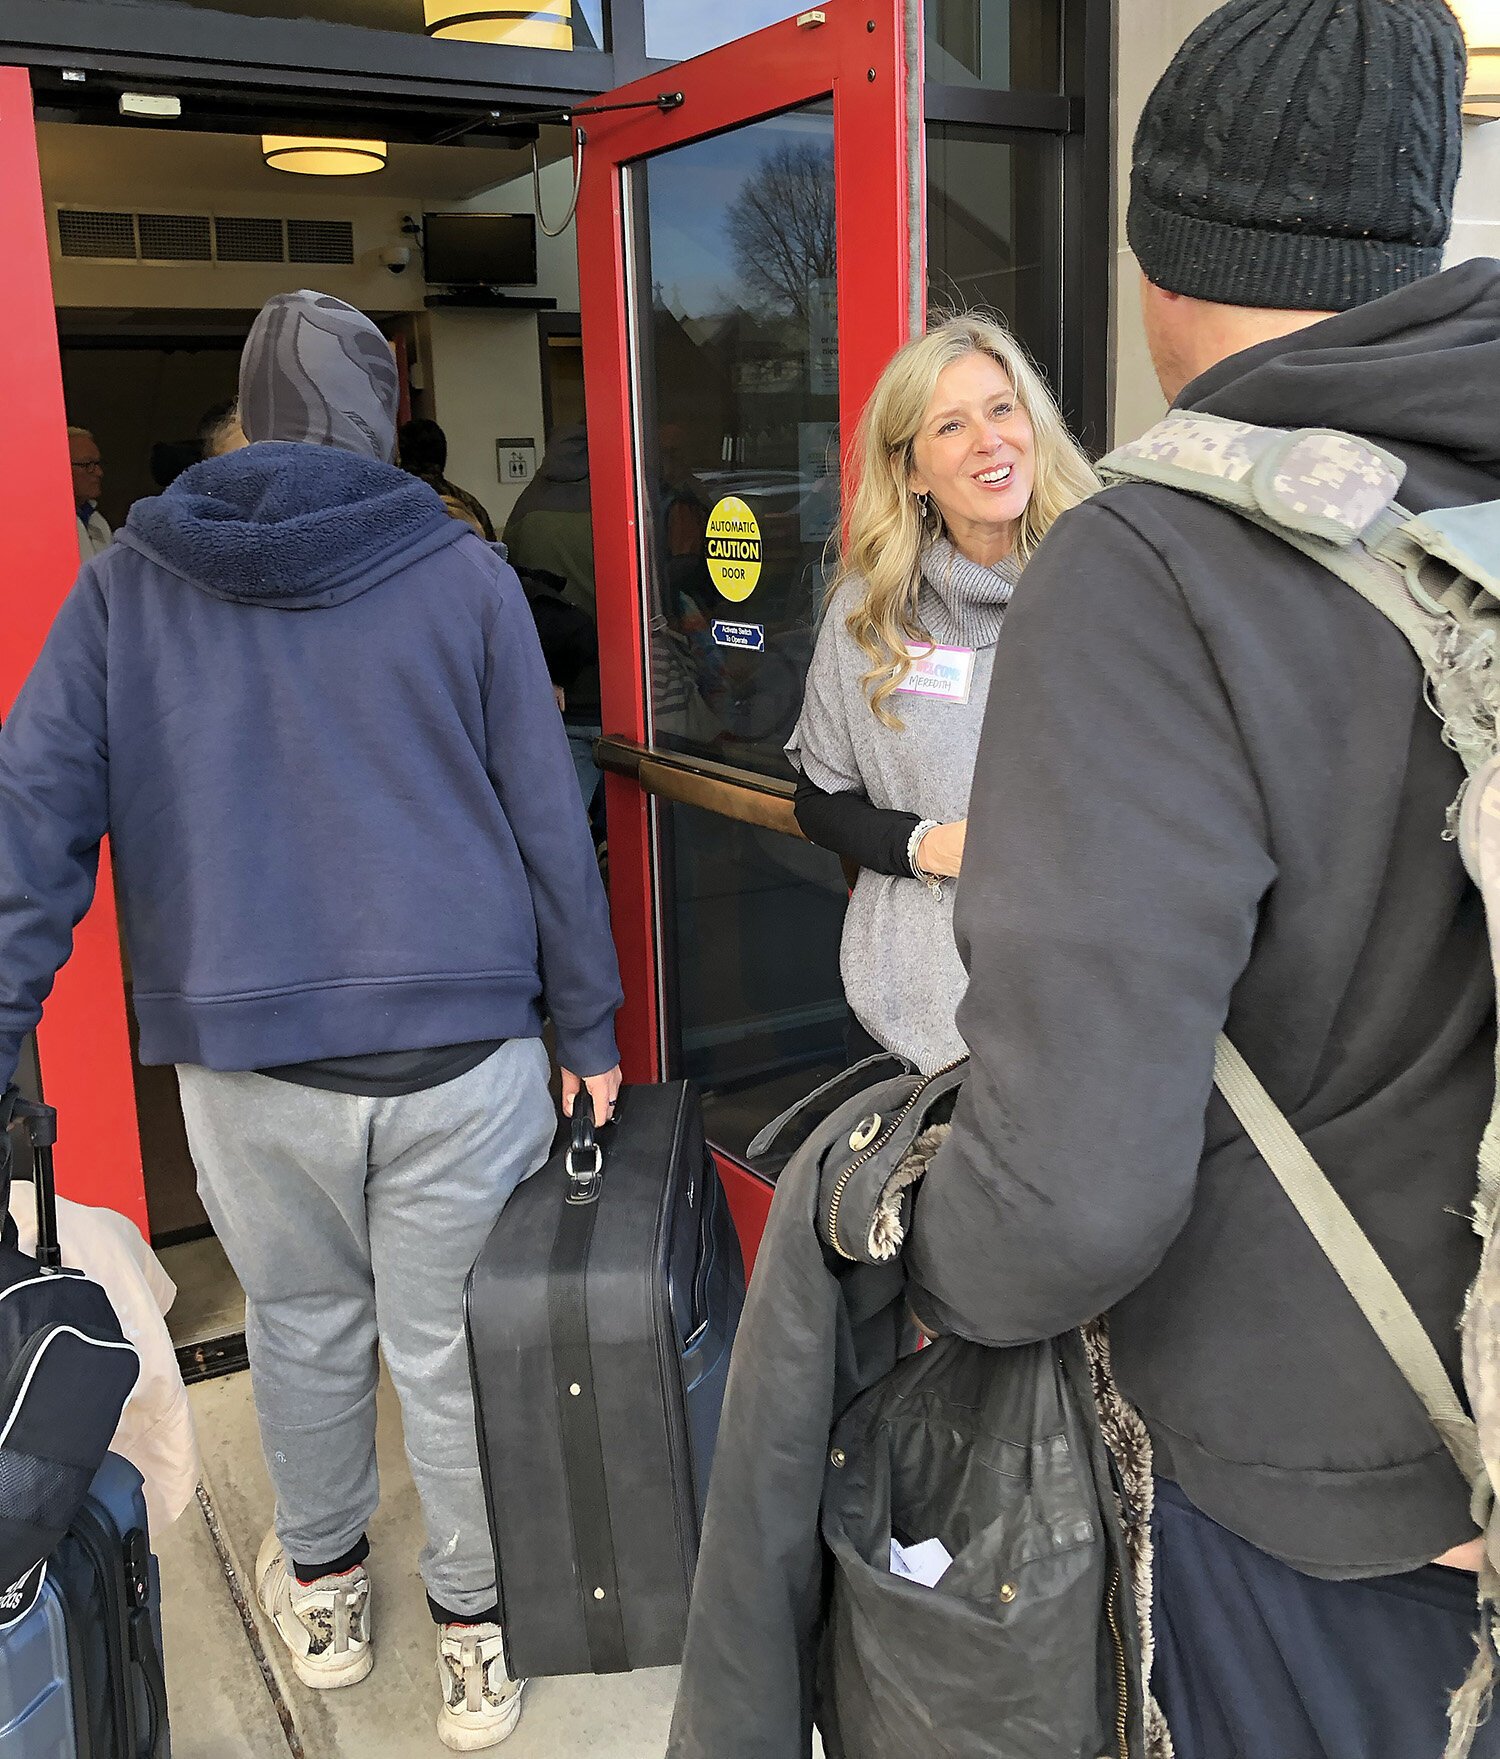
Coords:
pixel 1436 576
pixel 1333 497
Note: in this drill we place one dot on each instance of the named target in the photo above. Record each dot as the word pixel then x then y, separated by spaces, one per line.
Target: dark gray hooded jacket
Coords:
pixel 1209 790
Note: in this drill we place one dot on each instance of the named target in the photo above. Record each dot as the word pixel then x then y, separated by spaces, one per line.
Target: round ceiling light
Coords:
pixel 314 156
pixel 527 24
pixel 1480 20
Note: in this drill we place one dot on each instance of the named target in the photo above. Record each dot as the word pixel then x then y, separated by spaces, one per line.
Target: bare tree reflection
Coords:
pixel 781 226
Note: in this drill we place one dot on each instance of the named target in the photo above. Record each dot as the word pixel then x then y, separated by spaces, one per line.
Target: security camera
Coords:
pixel 397 258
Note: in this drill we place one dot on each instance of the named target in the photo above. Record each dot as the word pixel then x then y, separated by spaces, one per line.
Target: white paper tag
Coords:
pixel 924 1563
pixel 943 672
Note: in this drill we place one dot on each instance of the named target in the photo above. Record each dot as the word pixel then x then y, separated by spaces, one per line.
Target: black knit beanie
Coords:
pixel 1301 154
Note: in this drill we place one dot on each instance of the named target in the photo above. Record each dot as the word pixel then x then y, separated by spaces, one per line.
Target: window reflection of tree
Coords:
pixel 781 227
pixel 739 373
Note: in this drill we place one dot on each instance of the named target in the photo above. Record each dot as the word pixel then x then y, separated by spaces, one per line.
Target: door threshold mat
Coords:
pixel 213 1358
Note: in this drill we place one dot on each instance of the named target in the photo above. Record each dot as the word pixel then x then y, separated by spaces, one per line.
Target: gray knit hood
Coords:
pixel 317 371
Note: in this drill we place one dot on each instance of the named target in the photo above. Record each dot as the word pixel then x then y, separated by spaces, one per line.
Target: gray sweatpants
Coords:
pixel 352 1224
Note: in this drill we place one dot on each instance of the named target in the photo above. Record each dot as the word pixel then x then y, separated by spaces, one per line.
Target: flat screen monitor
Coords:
pixel 480 250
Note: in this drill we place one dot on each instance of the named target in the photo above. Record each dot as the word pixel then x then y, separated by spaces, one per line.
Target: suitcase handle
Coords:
pixel 41 1122
pixel 585 1158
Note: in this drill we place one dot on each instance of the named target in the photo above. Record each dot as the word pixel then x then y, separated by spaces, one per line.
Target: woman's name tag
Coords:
pixel 943 672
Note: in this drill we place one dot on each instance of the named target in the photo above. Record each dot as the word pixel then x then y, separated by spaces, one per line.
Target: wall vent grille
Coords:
pixel 89 232
pixel 320 241
pixel 175 238
pixel 94 235
pixel 240 239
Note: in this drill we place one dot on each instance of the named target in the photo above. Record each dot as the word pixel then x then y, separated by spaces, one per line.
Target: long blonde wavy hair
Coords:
pixel 886 530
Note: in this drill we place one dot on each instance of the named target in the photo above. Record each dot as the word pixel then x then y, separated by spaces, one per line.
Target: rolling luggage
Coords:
pixel 80 1639
pixel 66 1367
pixel 600 1317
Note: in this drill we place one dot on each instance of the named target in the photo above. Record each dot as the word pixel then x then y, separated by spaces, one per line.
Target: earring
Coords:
pixel 922 507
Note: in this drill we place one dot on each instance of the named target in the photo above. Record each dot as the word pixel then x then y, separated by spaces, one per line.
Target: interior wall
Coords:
pixel 484 373
pixel 1150 32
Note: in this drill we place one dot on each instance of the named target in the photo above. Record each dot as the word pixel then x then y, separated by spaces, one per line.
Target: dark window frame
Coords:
pixel 1081 118
pixel 548 325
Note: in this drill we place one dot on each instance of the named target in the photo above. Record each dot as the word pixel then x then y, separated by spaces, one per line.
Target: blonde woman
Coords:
pixel 964 463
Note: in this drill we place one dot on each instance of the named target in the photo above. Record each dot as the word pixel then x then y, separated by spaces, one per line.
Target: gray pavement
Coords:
pixel 229 1689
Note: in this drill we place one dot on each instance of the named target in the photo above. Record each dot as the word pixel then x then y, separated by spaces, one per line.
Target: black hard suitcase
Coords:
pixel 600 1318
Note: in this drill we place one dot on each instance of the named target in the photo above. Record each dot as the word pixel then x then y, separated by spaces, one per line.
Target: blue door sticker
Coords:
pixel 749 636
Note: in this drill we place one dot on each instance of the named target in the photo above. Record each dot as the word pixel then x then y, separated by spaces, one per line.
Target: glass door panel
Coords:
pixel 754 1003
pixel 750 256
pixel 994 231
pixel 738 342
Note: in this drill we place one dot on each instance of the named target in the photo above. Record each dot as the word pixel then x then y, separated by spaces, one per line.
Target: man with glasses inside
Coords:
pixel 94 535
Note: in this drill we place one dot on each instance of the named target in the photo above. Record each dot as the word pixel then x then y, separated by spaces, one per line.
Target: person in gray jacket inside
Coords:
pixel 1209 795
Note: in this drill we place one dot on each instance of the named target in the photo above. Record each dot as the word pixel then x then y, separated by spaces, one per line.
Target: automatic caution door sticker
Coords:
pixel 733 549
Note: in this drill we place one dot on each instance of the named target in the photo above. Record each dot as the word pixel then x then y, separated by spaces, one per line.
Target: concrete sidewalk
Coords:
pixel 230 1689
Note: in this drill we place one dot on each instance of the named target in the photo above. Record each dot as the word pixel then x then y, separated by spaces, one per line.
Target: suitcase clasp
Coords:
pixel 585 1177
pixel 585 1158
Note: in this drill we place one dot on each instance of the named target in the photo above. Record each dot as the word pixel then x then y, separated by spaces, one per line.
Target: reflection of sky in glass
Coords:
pixel 593 15
pixel 677 29
pixel 691 191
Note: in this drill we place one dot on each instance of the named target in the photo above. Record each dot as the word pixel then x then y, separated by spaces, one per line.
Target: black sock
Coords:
pixel 443 1616
pixel 355 1555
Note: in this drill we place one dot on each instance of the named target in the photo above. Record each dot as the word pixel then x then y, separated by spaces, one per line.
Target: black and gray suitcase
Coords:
pixel 600 1317
pixel 80 1638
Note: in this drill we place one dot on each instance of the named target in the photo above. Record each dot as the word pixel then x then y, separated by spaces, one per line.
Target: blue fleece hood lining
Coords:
pixel 290 525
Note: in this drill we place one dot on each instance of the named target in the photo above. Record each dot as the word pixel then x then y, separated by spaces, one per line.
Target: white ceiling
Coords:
pixel 73 154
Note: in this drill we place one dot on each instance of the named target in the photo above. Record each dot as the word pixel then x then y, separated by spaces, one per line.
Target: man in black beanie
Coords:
pixel 1210 791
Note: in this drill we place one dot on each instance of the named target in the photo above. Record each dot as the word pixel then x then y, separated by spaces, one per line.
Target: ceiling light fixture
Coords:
pixel 313 156
pixel 526 24
pixel 1480 20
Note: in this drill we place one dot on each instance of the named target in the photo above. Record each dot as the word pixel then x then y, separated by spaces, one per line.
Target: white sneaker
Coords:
pixel 324 1624
pixel 481 1702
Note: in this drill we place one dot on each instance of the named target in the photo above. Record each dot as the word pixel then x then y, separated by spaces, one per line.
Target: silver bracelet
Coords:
pixel 932 881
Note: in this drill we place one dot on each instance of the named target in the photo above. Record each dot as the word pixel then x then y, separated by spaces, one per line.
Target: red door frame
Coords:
pixel 83 1040
pixel 857 54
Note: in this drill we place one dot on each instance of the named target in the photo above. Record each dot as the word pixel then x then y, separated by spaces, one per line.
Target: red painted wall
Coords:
pixel 85 1049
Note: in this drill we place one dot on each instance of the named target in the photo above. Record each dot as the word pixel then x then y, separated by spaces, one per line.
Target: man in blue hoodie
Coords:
pixel 311 712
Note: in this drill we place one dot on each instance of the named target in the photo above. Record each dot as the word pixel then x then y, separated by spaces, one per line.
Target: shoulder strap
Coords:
pixel 1374 1289
pixel 1332 496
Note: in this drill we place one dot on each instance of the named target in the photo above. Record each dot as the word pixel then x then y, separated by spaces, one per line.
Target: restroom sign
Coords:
pixel 733 548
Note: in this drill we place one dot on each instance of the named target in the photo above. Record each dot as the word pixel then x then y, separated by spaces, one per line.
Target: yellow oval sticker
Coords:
pixel 733 549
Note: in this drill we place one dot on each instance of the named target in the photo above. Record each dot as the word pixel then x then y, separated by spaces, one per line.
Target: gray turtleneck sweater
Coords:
pixel 901 969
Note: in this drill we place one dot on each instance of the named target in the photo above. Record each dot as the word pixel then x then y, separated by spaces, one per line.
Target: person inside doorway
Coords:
pixel 94 535
pixel 423 450
pixel 311 712
pixel 965 462
pixel 219 430
pixel 550 536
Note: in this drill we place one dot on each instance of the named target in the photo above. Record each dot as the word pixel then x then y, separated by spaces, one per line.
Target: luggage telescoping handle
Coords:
pixel 41 1127
pixel 585 1158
